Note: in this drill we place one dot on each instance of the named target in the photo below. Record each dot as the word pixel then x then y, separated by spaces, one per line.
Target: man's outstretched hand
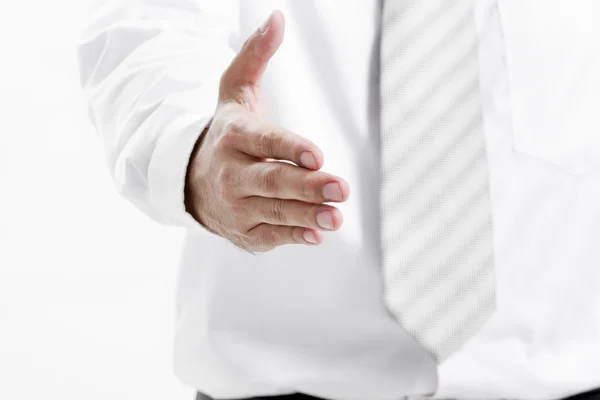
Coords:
pixel 237 183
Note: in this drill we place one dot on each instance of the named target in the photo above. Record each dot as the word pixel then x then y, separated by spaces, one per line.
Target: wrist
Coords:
pixel 190 197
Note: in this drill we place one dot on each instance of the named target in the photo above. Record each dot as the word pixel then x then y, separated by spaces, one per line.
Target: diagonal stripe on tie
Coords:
pixel 436 226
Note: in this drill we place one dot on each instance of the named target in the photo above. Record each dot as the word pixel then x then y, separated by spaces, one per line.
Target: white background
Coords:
pixel 86 281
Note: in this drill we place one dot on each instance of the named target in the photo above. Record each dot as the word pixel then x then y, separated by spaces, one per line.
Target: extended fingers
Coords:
pixel 286 181
pixel 265 237
pixel 294 213
pixel 267 141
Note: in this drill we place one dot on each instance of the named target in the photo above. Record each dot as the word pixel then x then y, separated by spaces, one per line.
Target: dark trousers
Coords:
pixel 297 396
pixel 591 395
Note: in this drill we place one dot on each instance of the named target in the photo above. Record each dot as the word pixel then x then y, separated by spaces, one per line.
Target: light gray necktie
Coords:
pixel 436 227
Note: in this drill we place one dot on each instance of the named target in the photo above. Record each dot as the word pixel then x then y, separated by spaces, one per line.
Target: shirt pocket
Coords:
pixel 553 60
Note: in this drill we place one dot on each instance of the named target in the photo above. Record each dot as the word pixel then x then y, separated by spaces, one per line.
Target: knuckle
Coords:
pixel 222 147
pixel 309 215
pixel 305 191
pixel 230 135
pixel 227 177
pixel 296 235
pixel 308 189
pixel 268 142
pixel 247 42
pixel 263 238
pixel 237 122
pixel 313 187
pixel 270 179
pixel 269 238
pixel 232 122
pixel 277 211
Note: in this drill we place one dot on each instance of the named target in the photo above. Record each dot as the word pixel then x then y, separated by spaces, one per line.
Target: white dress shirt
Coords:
pixel 311 319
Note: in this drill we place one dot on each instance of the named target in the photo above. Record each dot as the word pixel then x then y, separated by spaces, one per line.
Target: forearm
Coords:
pixel 150 72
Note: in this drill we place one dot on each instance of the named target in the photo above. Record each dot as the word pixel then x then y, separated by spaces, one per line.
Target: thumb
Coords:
pixel 248 66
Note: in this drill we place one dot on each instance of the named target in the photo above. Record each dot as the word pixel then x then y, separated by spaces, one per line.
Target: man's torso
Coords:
pixel 312 320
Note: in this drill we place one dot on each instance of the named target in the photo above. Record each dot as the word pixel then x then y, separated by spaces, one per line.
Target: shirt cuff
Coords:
pixel 168 168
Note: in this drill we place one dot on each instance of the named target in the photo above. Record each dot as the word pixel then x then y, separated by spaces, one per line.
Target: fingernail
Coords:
pixel 325 219
pixel 265 25
pixel 309 237
pixel 332 191
pixel 308 160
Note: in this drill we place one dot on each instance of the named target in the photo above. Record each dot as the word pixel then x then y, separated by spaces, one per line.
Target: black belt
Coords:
pixel 296 396
pixel 589 395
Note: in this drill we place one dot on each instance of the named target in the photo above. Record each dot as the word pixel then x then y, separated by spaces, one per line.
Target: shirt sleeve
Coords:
pixel 150 72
